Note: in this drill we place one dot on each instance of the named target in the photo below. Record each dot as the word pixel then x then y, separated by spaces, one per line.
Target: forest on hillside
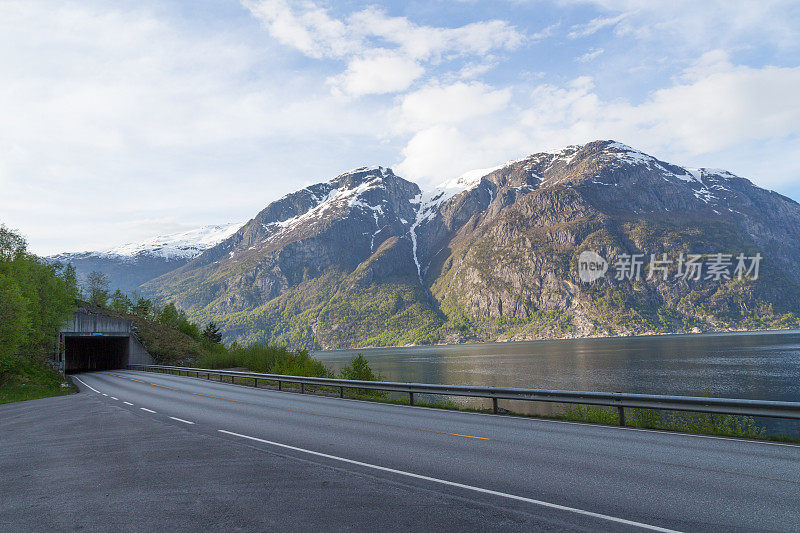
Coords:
pixel 35 299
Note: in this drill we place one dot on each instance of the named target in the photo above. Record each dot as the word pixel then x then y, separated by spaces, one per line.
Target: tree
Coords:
pixel 120 302
pixel 97 286
pixel 212 334
pixel 35 300
pixel 143 308
pixel 169 316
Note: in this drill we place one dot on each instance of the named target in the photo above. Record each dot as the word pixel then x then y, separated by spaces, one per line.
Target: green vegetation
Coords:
pixel 35 299
pixel 359 369
pixel 681 421
pixel 33 379
pixel 266 359
pixel 335 310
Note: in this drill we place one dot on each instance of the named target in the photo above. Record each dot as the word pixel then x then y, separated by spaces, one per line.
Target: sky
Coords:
pixel 121 120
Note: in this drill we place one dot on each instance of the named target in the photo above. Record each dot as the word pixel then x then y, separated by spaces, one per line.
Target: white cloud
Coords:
pixel 593 26
pixel 715 107
pixel 451 104
pixel 384 54
pixel 113 114
pixel 378 73
pixel 590 55
pixel 136 116
pixel 693 25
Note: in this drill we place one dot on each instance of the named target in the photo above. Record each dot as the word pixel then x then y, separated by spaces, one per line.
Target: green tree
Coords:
pixel 169 316
pixel 172 317
pixel 359 369
pixel 143 308
pixel 35 300
pixel 97 288
pixel 120 302
pixel 212 334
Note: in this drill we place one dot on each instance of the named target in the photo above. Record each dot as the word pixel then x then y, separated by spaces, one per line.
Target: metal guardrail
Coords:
pixel 621 401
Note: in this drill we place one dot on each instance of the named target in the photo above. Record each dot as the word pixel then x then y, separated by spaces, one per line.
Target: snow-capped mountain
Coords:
pixel 330 225
pixel 369 258
pixel 129 265
pixel 182 245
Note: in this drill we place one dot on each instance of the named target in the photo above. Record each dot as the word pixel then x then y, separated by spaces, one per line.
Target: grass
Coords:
pixel 33 380
pixel 679 421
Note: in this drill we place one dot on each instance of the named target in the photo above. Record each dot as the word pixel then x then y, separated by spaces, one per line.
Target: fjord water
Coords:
pixel 764 365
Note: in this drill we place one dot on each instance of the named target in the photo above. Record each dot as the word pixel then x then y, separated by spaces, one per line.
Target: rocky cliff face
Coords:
pixel 333 226
pixel 367 258
pixel 516 261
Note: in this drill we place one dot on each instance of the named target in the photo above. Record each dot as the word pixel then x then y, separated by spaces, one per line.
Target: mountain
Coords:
pixel 367 258
pixel 130 265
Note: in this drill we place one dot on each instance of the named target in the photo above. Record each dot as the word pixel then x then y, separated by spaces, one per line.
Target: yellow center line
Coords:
pixel 311 413
pixel 163 386
pixel 469 436
pixel 388 425
pixel 220 398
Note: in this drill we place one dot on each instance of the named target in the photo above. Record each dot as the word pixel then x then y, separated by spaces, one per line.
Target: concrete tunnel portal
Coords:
pixel 91 341
pixel 86 353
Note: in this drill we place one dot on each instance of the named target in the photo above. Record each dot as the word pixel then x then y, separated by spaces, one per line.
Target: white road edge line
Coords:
pixel 79 379
pixel 148 410
pixel 181 420
pixel 127 403
pixel 459 485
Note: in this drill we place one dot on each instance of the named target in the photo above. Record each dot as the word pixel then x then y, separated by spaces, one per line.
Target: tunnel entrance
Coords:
pixel 91 340
pixel 86 353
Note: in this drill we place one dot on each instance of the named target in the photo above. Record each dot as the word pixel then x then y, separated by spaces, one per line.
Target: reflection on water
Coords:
pixel 734 365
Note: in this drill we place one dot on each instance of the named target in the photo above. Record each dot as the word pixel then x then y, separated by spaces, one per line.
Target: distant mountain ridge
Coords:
pixel 367 258
pixel 130 265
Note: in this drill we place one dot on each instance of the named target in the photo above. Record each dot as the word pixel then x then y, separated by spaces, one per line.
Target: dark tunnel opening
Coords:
pixel 87 353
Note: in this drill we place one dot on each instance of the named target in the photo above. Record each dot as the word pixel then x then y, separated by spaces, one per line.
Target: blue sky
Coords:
pixel 121 120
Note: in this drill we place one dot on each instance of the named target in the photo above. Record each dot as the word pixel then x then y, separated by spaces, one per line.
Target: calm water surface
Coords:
pixel 734 365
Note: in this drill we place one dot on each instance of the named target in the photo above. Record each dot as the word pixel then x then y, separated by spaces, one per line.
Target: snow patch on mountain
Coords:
pixel 183 245
pixel 430 201
pixel 337 198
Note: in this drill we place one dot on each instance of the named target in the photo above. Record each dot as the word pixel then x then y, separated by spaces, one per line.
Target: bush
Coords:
pixel 359 369
pixel 264 358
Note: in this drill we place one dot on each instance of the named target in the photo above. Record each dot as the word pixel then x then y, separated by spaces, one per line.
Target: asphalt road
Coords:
pixel 142 451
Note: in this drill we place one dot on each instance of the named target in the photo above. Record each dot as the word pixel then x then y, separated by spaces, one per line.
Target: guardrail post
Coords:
pixel 279 385
pixel 621 415
pixel 255 382
pixel 494 406
pixel 341 392
pixel 410 398
pixel 302 388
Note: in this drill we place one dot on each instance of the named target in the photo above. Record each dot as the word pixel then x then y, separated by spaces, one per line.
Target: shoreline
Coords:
pixel 715 333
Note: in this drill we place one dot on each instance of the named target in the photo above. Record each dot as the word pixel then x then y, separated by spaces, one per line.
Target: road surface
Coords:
pixel 143 451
